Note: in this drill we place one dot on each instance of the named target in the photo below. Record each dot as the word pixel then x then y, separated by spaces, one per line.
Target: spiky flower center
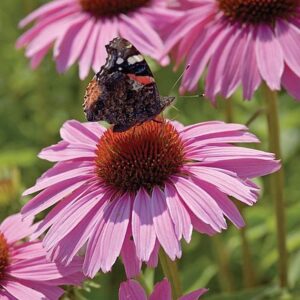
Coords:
pixel 107 8
pixel 258 11
pixel 144 156
pixel 3 255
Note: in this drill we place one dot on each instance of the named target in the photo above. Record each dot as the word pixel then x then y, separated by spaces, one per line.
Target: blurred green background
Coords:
pixel 234 265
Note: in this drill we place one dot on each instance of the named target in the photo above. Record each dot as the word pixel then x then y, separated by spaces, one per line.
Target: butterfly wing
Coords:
pixel 127 92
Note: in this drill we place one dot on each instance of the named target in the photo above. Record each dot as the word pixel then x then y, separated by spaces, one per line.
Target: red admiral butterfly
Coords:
pixel 124 92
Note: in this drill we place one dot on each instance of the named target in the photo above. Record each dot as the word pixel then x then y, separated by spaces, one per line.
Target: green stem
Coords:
pixel 143 283
pixel 248 270
pixel 247 263
pixel 170 270
pixel 228 110
pixel 225 277
pixel 277 183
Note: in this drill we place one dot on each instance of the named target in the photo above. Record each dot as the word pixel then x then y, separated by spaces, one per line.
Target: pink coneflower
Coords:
pixel 24 271
pixel 240 42
pixel 146 187
pixel 132 290
pixel 79 30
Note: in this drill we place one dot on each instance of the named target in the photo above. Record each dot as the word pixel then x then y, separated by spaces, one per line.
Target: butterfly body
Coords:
pixel 124 92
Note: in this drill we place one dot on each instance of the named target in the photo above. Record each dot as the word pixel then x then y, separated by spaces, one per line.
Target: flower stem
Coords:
pixel 247 263
pixel 143 283
pixel 277 183
pixel 170 270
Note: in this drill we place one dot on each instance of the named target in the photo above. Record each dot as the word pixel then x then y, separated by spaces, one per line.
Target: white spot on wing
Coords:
pixel 135 59
pixel 120 60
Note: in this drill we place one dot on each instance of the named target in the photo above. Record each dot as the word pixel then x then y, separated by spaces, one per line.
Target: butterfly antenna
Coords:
pixel 193 96
pixel 179 78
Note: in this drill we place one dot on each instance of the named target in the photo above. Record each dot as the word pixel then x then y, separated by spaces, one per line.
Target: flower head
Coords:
pixel 79 30
pixel 24 271
pixel 131 289
pixel 133 191
pixel 240 42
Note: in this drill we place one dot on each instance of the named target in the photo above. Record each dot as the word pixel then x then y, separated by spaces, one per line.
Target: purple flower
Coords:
pixel 79 30
pixel 240 43
pixel 132 290
pixel 24 271
pixel 130 193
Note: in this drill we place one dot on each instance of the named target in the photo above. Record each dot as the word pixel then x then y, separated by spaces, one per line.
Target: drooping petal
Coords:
pixel 291 83
pixel 289 39
pixel 200 203
pixel 129 256
pixel 142 225
pixel 131 290
pixel 162 290
pixel 114 231
pixel 194 295
pixel 269 57
pixel 163 224
pixel 179 215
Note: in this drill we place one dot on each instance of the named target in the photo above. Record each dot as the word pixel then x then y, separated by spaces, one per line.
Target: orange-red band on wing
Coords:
pixel 142 79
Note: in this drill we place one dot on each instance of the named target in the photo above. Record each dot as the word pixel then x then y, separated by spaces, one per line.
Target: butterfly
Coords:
pixel 123 93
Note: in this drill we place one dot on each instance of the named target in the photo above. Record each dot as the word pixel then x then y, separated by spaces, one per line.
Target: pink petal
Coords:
pixel 72 216
pixel 106 32
pixel 226 205
pixel 246 167
pixel 21 291
pixel 163 224
pixel 250 74
pixel 200 203
pixel 46 9
pixel 131 290
pixel 142 225
pixel 43 183
pixel 38 57
pixel 234 62
pixel 289 39
pixel 205 46
pixel 64 47
pixel 113 232
pixel 87 55
pixel 153 260
pixel 30 34
pixel 221 138
pixel 200 226
pixel 64 151
pixel 75 41
pixel 51 196
pixel 269 57
pixel 179 215
pixel 291 83
pixel 194 295
pixel 130 260
pixel 79 133
pixel 227 183
pixel 15 227
pixel 162 290
pixel 216 153
pixel 209 129
pixel 65 250
pixel 216 66
pixel 92 261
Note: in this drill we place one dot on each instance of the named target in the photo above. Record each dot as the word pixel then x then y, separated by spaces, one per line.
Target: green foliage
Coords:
pixel 33 106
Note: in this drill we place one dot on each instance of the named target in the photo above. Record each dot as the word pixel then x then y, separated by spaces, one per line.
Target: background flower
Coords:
pixel 132 290
pixel 154 182
pixel 241 43
pixel 24 271
pixel 79 30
